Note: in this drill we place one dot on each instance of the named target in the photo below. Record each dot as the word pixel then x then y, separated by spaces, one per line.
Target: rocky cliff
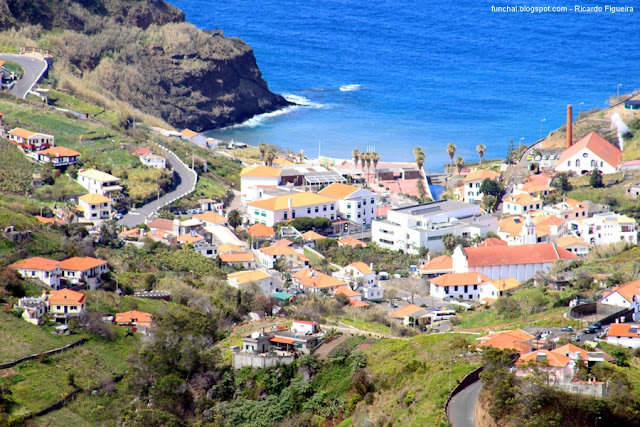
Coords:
pixel 144 53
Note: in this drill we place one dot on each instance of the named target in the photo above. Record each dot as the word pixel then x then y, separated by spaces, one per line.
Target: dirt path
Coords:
pixel 324 349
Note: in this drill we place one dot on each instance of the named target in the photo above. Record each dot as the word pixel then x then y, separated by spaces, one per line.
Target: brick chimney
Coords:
pixel 569 126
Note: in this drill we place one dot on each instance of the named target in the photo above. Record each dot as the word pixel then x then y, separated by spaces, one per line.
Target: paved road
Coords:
pixel 462 408
pixel 33 66
pixel 187 183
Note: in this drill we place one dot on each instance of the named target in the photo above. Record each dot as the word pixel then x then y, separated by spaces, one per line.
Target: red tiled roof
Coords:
pixel 505 341
pixel 36 263
pixel 305 322
pixel 541 356
pixel 236 257
pixel 66 297
pixel 351 241
pixel 161 224
pixel 597 145
pixel 260 230
pixel 311 278
pixel 623 330
pixel 283 340
pixel 361 267
pixel 439 263
pixel 492 241
pixel 357 303
pixel 59 151
pixel 142 150
pixel 283 242
pixel 347 292
pixel 460 279
pixel 134 316
pixel 405 311
pixel 520 254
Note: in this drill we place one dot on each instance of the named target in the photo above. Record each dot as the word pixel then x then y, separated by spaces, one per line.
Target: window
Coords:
pixel 585 155
pixel 455 288
pixel 577 163
pixel 263 214
pixel 256 212
pixel 308 210
pixel 316 209
pixel 569 163
pixel 348 205
pixel 601 164
pixel 538 206
pixel 594 163
pixel 285 215
pixel 331 207
pixel 364 202
pixel 324 208
pixel 359 205
pixel 348 216
pixel 359 216
pixel 475 287
pixel 372 202
pixel 293 214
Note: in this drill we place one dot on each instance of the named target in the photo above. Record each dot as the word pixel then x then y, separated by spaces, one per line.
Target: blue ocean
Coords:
pixel 395 74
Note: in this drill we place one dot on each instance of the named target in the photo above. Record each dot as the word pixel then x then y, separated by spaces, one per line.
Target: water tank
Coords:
pixel 255 335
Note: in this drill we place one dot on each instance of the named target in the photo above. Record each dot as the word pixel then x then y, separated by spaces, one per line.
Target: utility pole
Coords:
pixel 193 158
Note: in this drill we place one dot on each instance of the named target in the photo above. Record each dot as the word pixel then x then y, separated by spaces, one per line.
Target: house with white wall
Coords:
pixel 605 228
pixel 625 335
pixel 622 296
pixel 98 182
pixel 65 303
pixel 30 141
pixel 518 230
pixel 291 258
pixel 313 281
pixel 44 270
pixel 495 289
pixel 423 226
pixel 245 279
pixel 473 182
pixel 252 178
pixel 567 209
pixel 465 286
pixel 574 245
pixel 95 207
pixel 34 308
pixel 86 269
pixel 520 204
pixel 58 156
pixel 362 278
pixel 520 262
pixel 592 151
pixel 291 206
pixel 153 161
pixel 355 204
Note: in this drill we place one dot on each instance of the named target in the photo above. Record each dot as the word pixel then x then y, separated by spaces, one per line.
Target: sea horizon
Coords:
pixel 392 76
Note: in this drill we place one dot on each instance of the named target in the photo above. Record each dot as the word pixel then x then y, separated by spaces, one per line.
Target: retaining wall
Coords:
pixel 13 363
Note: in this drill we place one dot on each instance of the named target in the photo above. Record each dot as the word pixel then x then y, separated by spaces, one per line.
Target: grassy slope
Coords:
pixel 23 339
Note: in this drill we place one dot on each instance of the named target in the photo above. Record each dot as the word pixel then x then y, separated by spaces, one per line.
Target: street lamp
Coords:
pixel 618 90
pixel 541 121
pixel 579 109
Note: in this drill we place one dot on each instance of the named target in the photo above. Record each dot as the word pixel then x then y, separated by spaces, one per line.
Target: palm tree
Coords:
pixel 365 158
pixel 375 158
pixel 270 157
pixel 235 218
pixel 480 148
pixel 459 164
pixel 356 156
pixel 451 150
pixel 477 239
pixel 263 149
pixel 419 157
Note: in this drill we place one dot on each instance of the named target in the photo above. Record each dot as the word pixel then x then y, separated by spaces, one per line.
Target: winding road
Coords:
pixel 187 183
pixel 462 407
pixel 34 68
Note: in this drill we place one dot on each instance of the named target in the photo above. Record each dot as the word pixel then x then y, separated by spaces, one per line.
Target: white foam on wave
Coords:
pixel 350 88
pixel 300 101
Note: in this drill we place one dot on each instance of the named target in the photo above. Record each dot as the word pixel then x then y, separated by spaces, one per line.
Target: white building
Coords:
pixel 65 303
pixel 622 296
pixel 31 141
pixel 362 278
pixel 602 229
pixel 574 245
pixel 97 182
pixel 86 269
pixel 304 327
pixel 45 270
pixel 244 279
pixel 567 209
pixel 291 258
pixel 33 308
pixel 291 206
pixel 464 286
pixel 520 204
pixel 408 229
pixel 57 156
pixel 255 177
pixel 355 204
pixel 472 183
pixel 153 160
pixel 95 206
pixel 495 289
pixel 516 230
pixel 624 334
pixel 592 151
pixel 520 262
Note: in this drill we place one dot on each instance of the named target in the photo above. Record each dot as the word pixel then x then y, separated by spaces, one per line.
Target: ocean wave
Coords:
pixel 350 88
pixel 300 101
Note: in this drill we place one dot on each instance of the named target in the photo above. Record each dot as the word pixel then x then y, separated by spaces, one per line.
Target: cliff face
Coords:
pixel 142 52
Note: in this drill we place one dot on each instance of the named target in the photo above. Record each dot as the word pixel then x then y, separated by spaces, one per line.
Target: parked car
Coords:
pixel 545 157
pixel 567 329
pixel 529 157
pixel 118 216
pixel 597 325
pixel 589 330
pixel 537 158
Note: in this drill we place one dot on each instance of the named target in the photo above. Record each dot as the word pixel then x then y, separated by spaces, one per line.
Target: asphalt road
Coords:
pixel 462 408
pixel 33 68
pixel 187 183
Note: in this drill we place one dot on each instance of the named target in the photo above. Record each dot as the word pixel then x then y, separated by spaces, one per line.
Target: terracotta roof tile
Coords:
pixel 347 292
pixel 460 279
pixel 283 242
pixel 506 284
pixel 36 263
pixel 260 230
pixel 628 290
pixel 623 330
pixel 142 150
pixel 315 279
pixel 21 133
pixel 361 267
pixel 66 297
pixel 351 241
pixel 544 357
pixel 357 303
pixel 236 257
pixel 438 264
pixel 506 341
pixel 274 250
pixel 188 133
pixel 229 247
pixel 298 200
pixel 405 311
pixel 161 224
pixel 81 263
pixel 338 190
pixel 520 254
pixel 244 277
pixel 261 171
pixel 481 174
pixel 565 241
pixel 94 199
pixel 60 151
pixel 492 241
pixel 189 238
pixel 312 235
pixel 212 217
pixel 134 316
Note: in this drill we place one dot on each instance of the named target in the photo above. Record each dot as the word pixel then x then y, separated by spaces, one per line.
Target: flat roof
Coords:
pixel 436 207
pixel 323 177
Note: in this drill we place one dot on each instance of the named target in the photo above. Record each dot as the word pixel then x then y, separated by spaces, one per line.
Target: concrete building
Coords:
pixel 153 160
pixel 65 303
pixel 30 141
pixel 574 245
pixel 520 204
pixel 602 229
pixel 252 178
pixel 472 183
pixel 97 182
pixel 245 279
pixel 520 262
pixel 491 291
pixel 95 207
pixel 58 156
pixel 291 258
pixel 622 296
pixel 355 204
pixel 592 151
pixel 291 206
pixel 408 229
pixel 518 230
pixel 84 269
pixel 34 308
pixel 567 209
pixel 464 286
pixel 44 270
pixel 624 334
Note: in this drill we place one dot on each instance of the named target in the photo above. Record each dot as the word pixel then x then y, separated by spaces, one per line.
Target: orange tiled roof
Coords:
pixel 628 290
pixel 315 279
pixel 357 303
pixel 506 284
pixel 22 133
pixel 623 330
pixel 142 150
pixel 597 145
pixel 188 238
pixel 570 348
pixel 94 199
pixel 161 224
pixel 298 200
pixel 565 241
pixel 351 241
pixel 361 267
pixel 520 254
pixel 66 297
pixel 548 220
pixel 481 174
pixel 439 263
pixel 236 257
pixel 544 356
pixel 212 217
pixel 260 230
pixel 492 241
pixel 347 292
pixel 134 316
pixel 261 171
pixel 81 263
pixel 36 263
pixel 521 199
pixel 535 187
pixel 505 341
pixel 405 311
pixel 338 190
pixel 243 277
pixel 312 235
pixel 229 247
pixel 283 242
pixel 188 133
pixel 281 161
pixel 59 151
pixel 274 250
pixel 460 279
pixel 44 220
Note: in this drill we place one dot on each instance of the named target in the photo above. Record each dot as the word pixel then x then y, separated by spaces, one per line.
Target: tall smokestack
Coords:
pixel 569 126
